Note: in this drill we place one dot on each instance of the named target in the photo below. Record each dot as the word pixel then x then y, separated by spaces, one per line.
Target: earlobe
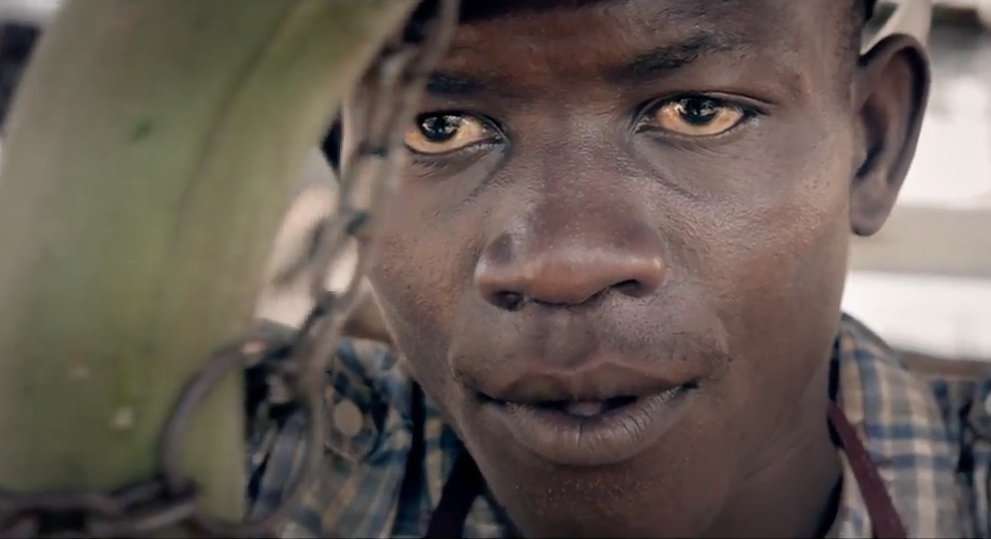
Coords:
pixel 891 88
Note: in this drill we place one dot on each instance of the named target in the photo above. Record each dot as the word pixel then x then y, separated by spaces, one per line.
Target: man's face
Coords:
pixel 616 256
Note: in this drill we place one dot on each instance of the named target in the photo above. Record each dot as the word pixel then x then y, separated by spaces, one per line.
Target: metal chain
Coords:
pixel 293 369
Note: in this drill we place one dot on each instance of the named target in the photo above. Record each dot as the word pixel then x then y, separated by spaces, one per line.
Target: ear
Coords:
pixel 891 88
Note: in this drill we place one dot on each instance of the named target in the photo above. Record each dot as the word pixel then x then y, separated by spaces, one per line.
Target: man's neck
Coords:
pixel 795 492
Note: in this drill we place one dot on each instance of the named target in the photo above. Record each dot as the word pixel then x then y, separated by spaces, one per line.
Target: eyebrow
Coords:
pixel 449 84
pixel 662 60
pixel 645 66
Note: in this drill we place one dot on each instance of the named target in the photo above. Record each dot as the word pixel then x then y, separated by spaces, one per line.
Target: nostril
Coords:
pixel 565 272
pixel 511 301
pixel 631 287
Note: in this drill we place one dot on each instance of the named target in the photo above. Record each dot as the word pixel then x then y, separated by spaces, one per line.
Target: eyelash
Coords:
pixel 644 112
pixel 433 160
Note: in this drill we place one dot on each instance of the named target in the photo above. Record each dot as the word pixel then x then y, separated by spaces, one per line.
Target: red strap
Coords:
pixel 886 522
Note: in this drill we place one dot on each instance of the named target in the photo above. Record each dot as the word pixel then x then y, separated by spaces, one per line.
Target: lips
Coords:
pixel 592 417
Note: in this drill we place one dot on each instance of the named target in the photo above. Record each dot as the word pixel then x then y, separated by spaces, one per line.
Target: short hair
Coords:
pixel 472 10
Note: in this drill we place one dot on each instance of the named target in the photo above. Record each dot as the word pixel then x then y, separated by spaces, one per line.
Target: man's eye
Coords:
pixel 436 134
pixel 697 116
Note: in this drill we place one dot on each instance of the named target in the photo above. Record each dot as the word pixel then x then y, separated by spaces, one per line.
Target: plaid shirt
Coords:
pixel 929 435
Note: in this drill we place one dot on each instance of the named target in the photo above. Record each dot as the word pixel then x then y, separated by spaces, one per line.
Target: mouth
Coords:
pixel 591 432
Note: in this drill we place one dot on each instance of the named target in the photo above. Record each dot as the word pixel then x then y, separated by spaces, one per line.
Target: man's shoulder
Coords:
pixel 368 400
pixel 955 383
pixel 911 382
pixel 365 372
pixel 930 367
pixel 368 397
pixel 926 424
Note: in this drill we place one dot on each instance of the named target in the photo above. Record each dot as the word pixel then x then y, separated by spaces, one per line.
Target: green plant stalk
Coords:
pixel 150 154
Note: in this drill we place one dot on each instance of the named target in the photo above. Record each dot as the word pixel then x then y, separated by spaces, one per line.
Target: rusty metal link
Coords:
pixel 131 511
pixel 293 369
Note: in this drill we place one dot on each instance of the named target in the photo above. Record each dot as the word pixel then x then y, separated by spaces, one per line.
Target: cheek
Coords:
pixel 789 289
pixel 775 238
pixel 420 273
pixel 768 245
pixel 780 289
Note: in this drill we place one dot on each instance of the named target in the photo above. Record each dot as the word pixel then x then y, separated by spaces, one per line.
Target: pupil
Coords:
pixel 440 128
pixel 698 111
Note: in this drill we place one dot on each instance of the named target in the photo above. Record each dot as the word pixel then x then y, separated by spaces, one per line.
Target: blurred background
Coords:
pixel 923 283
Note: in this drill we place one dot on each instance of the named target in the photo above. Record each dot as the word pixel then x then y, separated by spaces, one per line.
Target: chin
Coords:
pixel 652 484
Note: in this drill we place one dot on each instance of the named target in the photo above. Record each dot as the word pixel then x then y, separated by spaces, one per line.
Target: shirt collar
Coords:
pixel 902 428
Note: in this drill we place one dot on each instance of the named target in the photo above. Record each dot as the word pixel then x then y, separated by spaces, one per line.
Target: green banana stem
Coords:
pixel 149 159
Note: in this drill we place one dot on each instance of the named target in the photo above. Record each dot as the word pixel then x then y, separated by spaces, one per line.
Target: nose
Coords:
pixel 570 267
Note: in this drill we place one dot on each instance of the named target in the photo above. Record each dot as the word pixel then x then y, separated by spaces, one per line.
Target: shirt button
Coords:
pixel 348 418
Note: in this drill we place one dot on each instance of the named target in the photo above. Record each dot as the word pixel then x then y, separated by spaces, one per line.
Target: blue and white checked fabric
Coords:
pixel 929 434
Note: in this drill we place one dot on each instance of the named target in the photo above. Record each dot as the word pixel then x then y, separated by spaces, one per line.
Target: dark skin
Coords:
pixel 671 194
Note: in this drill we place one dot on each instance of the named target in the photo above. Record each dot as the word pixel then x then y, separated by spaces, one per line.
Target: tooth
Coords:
pixel 585 409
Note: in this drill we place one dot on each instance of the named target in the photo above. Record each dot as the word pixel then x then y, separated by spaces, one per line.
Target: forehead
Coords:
pixel 521 44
